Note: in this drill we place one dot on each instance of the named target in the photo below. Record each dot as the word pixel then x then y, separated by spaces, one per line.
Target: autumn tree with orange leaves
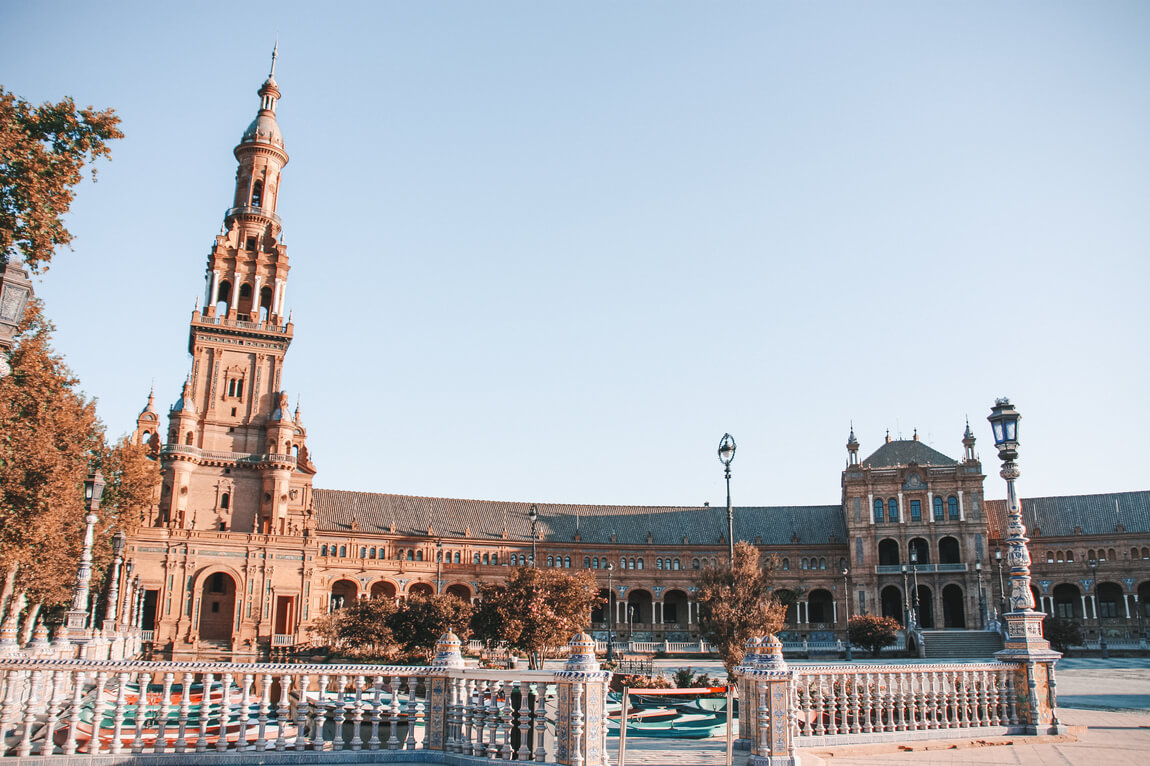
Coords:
pixel 43 151
pixel 536 610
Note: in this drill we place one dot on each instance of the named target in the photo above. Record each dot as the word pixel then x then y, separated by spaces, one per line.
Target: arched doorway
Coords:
pixel 383 589
pixel 921 550
pixel 639 607
pixel 948 551
pixel 892 604
pixel 675 605
pixel 788 599
pixel 1144 606
pixel 888 552
pixel 820 607
pixel 343 593
pixel 953 607
pixel 460 591
pixel 925 607
pixel 217 607
pixel 599 613
pixel 1067 602
pixel 421 589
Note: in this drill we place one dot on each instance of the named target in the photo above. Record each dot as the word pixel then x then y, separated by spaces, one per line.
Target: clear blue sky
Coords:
pixel 551 252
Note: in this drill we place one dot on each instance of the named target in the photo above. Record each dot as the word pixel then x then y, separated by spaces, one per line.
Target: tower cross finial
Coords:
pixel 275 50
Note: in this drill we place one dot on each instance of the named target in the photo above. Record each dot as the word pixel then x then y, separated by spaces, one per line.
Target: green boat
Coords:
pixel 679 728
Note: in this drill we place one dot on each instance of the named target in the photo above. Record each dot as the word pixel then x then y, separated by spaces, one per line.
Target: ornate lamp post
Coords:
pixel 533 515
pixel 846 573
pixel 1103 650
pixel 118 541
pixel 15 288
pixel 981 595
pixel 439 566
pixel 1024 625
pixel 1001 586
pixel 914 576
pixel 610 612
pixel 726 455
pixel 907 617
pixel 77 617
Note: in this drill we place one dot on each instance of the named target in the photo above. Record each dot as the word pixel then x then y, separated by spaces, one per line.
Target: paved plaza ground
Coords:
pixel 1108 699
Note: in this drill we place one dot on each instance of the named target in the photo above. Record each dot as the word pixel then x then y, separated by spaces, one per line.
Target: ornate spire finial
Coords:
pixel 275 51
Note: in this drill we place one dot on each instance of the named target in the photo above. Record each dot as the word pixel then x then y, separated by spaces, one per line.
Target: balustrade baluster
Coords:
pixel 898 699
pixel 491 716
pixel 15 681
pixel 505 722
pixel 182 720
pixel 303 708
pixel 524 752
pixel 51 710
pixel 357 715
pixel 245 707
pixel 1011 700
pixel 393 714
pixel 320 710
pixel 543 693
pixel 283 712
pixel 160 744
pixel 143 681
pixel 867 703
pixel 478 723
pixel 458 703
pixel 265 684
pixel 983 698
pixel 471 693
pixel 412 712
pixel 376 704
pixel 967 700
pixel 885 705
pixel 949 681
pixel 117 743
pixel 69 746
pixel 202 740
pixel 339 712
pixel 819 705
pixel 854 724
pixel 226 681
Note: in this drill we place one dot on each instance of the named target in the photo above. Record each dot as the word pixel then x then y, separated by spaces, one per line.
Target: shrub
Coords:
pixel 872 632
pixel 1061 633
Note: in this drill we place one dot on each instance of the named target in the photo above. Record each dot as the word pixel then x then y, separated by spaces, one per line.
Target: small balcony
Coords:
pixel 252 210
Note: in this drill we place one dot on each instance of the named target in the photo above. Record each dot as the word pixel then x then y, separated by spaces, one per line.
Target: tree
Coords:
pixel 133 478
pixel 536 609
pixel 736 604
pixel 43 150
pixel 872 632
pixel 49 439
pixel 1062 633
pixel 363 624
pixel 420 621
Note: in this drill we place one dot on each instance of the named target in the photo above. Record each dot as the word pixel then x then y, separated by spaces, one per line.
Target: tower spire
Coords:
pixel 275 50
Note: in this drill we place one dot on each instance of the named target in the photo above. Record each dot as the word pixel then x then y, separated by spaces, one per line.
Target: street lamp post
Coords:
pixel 726 455
pixel 981 596
pixel 110 617
pixel 610 612
pixel 1103 650
pixel 533 515
pixel 439 566
pixel 907 617
pixel 846 573
pixel 914 577
pixel 77 617
pixel 1001 586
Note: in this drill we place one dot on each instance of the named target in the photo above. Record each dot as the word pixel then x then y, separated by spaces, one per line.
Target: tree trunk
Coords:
pixel 9 587
pixel 30 623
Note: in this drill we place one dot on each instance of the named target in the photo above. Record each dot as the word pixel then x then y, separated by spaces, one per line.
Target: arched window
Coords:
pixel 225 501
pixel 363 552
pixel 550 561
pixel 892 510
pixel 476 558
pixel 675 564
pixel 805 564
pixel 1146 553
pixel 343 551
pixel 1069 556
pixel 595 563
pixel 1050 557
pixel 1090 555
pixel 586 562
pixel 486 559
pixel 1133 553
pixel 419 555
pixel 938 509
pixel 257 193
pixel 323 550
pixel 223 298
pixel 1060 558
pixel 371 553
pixel 495 559
pixel 188 438
pixel 822 563
pixel 916 510
pixel 514 559
pixel 1110 554
pixel 265 303
pixel 640 564
pixel 658 563
pixel 952 508
pixel 878 511
pixel 411 555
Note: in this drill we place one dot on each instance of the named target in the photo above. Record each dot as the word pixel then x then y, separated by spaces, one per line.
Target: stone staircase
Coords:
pixel 961 644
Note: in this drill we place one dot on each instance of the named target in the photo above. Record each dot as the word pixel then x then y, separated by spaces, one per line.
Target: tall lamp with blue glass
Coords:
pixel 1024 641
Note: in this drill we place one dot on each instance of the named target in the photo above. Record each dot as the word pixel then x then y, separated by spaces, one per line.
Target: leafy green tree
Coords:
pixel 872 632
pixel 1062 633
pixel 736 604
pixel 536 609
pixel 364 624
pixel 43 150
pixel 419 621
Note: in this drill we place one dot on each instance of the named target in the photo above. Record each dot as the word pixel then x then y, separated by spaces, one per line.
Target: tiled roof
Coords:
pixel 1058 516
pixel 495 520
pixel 905 452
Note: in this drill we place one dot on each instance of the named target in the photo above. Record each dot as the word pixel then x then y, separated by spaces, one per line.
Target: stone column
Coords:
pixel 766 706
pixel 580 721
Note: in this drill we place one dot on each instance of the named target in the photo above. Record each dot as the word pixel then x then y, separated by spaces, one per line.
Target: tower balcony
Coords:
pixel 240 324
pixel 219 457
pixel 251 210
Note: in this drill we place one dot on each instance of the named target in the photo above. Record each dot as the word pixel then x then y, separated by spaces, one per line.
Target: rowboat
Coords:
pixel 684 727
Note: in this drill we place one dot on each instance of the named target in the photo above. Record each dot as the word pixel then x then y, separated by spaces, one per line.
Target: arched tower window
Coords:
pixel 223 297
pixel 878 511
pixel 225 501
pixel 257 194
pixel 265 303
pixel 892 509
pixel 938 509
pixel 244 304
pixel 952 507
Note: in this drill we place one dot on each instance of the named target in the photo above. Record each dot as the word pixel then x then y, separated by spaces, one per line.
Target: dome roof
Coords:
pixel 264 129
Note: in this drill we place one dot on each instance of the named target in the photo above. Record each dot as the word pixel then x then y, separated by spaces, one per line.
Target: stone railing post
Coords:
pixel 747 701
pixel 448 654
pixel 767 706
pixel 580 721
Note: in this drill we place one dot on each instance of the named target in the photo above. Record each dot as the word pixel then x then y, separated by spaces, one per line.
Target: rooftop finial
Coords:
pixel 275 50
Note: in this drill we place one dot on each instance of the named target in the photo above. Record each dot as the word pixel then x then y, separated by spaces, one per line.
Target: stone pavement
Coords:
pixel 1106 702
